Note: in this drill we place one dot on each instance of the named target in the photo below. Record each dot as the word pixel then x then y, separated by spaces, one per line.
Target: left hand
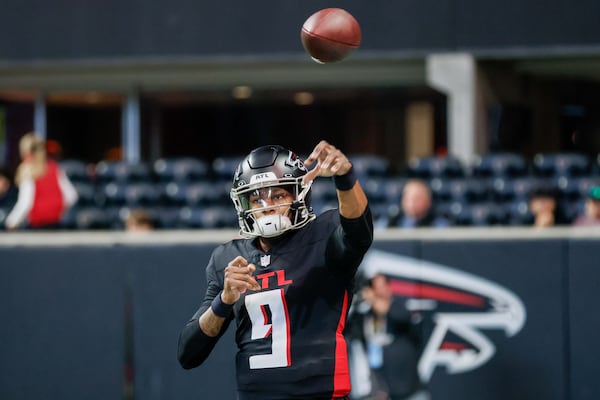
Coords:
pixel 330 161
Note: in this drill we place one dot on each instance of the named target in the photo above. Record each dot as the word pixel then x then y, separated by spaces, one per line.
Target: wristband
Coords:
pixel 219 308
pixel 346 181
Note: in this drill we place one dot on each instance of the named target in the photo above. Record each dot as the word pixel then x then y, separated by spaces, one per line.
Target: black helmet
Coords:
pixel 269 167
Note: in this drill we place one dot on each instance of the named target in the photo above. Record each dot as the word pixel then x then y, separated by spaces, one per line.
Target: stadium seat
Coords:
pixel 440 190
pixel 464 190
pixel 481 214
pixel 470 190
pixel 323 190
pixel 87 193
pixel 392 189
pixel 224 167
pixel 435 167
pixel 213 217
pixel 369 165
pixel 76 170
pixel 142 194
pixel 174 193
pixel 122 171
pixel 519 213
pixel 500 165
pixel 568 189
pixel 373 188
pixel 180 169
pixel 222 190
pixel 165 217
pixel 95 218
pixel 561 164
pixel 112 194
pixel 320 206
pixel 513 189
pixel 202 193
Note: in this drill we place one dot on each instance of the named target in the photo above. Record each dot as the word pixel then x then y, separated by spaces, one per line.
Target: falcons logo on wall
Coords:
pixel 462 306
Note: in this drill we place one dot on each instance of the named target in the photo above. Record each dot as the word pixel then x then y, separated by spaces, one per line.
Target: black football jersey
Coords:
pixel 290 333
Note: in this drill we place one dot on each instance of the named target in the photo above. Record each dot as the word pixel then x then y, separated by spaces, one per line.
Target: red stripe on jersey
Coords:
pixel 287 327
pixel 341 377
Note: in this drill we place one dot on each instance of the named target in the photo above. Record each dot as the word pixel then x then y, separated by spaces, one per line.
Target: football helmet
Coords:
pixel 255 192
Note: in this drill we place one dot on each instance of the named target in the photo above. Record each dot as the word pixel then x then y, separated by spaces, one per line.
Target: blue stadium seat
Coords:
pixel 561 164
pixel 203 193
pixel 480 214
pixel 142 194
pixel 471 190
pixel 222 190
pixel 501 165
pixel 568 189
pixel 440 190
pixel 113 194
pixel 122 171
pixel 464 190
pixel 76 170
pixel 513 189
pixel 392 189
pixel 224 167
pixel 212 217
pixel 87 193
pixel 323 190
pixel 369 165
pixel 180 169
pixel 165 217
pixel 374 189
pixel 174 193
pixel 92 218
pixel 435 167
pixel 519 213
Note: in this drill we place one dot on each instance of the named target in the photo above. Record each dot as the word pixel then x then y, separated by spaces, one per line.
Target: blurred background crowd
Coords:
pixel 497 189
pixel 154 116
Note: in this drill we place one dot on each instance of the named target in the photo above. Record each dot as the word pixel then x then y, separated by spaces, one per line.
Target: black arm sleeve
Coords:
pixel 350 241
pixel 194 345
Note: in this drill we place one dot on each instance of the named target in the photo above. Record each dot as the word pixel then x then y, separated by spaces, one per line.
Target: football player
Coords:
pixel 288 285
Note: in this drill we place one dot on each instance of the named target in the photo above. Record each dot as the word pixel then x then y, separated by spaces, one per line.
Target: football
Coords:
pixel 330 35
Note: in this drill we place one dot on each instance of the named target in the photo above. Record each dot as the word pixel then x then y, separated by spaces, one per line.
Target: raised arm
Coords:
pixel 330 161
pixel 354 236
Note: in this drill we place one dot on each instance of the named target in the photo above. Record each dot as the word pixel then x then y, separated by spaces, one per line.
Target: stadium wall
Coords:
pixel 508 313
pixel 72 30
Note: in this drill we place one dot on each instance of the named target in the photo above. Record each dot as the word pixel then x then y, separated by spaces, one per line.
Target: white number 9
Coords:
pixel 278 328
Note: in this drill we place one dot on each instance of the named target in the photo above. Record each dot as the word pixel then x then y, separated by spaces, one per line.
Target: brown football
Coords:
pixel 330 35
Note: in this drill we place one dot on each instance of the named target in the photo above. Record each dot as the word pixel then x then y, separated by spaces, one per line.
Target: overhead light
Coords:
pixel 304 98
pixel 241 92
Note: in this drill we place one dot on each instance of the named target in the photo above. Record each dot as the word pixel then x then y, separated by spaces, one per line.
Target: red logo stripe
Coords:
pixel 422 291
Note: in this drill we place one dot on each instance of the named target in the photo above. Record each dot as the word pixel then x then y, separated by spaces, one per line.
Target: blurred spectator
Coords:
pixel 544 207
pixel 8 191
pixel 45 192
pixel 591 215
pixel 139 221
pixel 384 339
pixel 53 149
pixel 416 208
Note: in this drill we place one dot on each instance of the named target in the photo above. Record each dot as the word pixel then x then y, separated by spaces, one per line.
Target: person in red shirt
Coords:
pixel 45 192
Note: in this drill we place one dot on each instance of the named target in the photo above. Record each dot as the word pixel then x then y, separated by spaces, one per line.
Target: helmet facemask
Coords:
pixel 263 212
